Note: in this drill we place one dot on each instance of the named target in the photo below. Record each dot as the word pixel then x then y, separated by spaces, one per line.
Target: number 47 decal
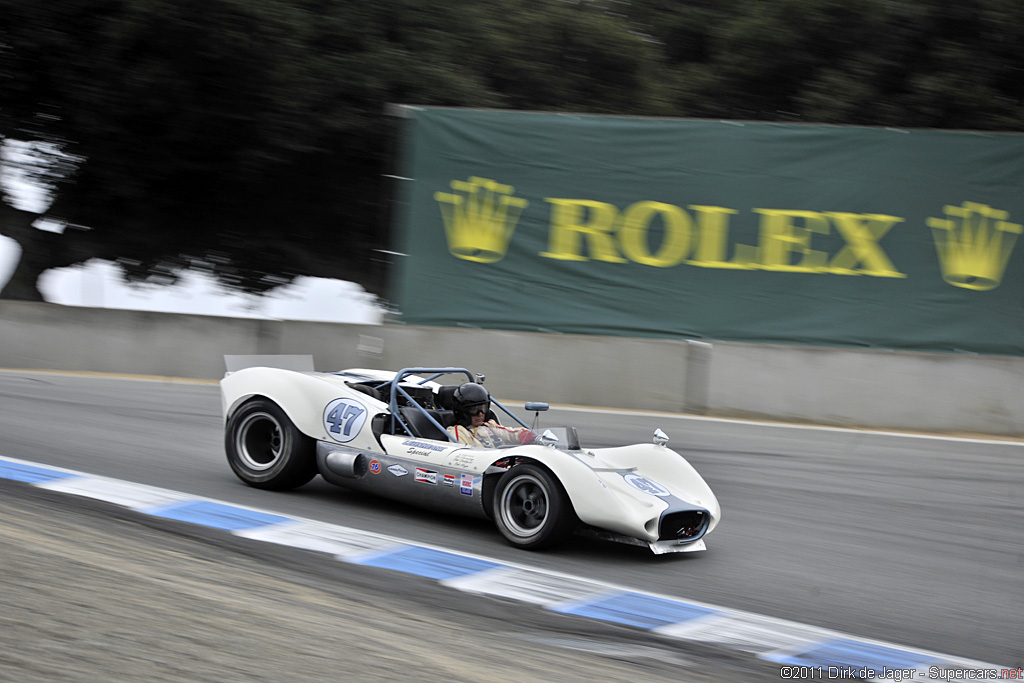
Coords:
pixel 340 416
pixel 343 418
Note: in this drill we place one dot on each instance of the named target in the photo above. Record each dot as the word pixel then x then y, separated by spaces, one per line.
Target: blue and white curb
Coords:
pixel 802 651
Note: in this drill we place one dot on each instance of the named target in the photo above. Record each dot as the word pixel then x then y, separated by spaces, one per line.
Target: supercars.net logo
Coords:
pixel 479 218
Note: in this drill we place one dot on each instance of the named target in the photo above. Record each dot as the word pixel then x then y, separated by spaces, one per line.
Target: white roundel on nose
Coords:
pixel 646 485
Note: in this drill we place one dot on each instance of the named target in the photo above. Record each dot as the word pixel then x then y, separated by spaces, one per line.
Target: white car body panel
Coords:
pixel 303 397
pixel 622 490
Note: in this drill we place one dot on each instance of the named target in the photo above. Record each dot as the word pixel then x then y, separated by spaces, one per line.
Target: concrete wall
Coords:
pixel 878 388
pixel 651 374
pixel 870 388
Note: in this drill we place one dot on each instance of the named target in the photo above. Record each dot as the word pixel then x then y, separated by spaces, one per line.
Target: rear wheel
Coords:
pixel 531 509
pixel 266 450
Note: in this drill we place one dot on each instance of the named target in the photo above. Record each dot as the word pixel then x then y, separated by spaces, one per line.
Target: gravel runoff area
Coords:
pixel 93 592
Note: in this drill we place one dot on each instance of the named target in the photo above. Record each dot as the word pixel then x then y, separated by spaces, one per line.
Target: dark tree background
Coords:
pixel 249 138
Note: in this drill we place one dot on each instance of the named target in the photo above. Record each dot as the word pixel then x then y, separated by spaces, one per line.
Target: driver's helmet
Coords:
pixel 468 397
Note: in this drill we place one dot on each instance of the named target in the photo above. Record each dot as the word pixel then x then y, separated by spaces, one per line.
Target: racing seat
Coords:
pixel 445 397
pixel 422 427
pixel 369 391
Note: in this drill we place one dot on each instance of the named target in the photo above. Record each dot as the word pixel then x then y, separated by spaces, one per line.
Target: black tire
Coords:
pixel 266 450
pixel 531 509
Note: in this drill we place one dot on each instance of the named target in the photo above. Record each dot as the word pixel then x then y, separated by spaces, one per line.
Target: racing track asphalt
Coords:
pixel 907 539
pixel 92 592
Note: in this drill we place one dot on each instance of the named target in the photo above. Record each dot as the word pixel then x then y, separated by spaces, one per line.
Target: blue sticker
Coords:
pixel 344 418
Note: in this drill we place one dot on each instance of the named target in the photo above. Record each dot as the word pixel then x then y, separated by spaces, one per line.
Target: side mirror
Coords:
pixel 548 438
pixel 536 408
pixel 660 437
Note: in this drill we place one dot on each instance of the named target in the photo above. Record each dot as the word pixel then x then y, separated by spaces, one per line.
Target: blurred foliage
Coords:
pixel 249 137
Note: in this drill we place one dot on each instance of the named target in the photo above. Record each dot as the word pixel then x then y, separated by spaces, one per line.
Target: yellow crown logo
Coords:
pixel 974 242
pixel 479 218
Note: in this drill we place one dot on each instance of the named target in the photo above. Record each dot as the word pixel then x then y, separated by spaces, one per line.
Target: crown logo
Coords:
pixel 974 242
pixel 479 218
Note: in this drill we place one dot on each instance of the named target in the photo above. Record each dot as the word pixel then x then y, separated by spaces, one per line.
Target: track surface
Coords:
pixel 92 592
pixel 911 540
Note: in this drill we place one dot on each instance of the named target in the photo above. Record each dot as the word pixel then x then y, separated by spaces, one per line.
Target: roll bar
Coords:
pixel 396 390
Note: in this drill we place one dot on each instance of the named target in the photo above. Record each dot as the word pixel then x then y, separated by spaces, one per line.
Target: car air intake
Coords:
pixel 686 526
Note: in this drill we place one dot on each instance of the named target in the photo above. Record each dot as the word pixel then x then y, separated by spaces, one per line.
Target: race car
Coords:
pixel 385 433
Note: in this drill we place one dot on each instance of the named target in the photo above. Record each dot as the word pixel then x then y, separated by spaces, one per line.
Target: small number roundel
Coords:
pixel 344 418
pixel 646 485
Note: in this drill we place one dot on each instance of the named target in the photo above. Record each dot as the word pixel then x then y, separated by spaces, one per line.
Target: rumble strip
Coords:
pixel 793 645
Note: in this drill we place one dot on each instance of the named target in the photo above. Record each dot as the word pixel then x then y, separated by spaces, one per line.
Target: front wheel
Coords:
pixel 531 509
pixel 266 450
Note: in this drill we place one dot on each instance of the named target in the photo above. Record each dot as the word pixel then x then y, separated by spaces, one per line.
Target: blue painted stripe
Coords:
pixel 433 564
pixel 217 515
pixel 636 609
pixel 847 652
pixel 29 473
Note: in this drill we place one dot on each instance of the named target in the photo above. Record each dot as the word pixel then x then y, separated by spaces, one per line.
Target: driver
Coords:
pixel 472 404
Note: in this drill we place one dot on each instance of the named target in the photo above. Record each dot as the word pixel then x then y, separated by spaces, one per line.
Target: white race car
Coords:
pixel 384 432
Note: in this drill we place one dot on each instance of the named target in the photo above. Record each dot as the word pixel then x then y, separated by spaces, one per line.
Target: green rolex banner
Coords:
pixel 810 234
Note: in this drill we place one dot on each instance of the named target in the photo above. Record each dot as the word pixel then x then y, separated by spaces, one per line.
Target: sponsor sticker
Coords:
pixel 398 470
pixel 375 467
pixel 466 488
pixel 424 446
pixel 426 476
pixel 449 480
